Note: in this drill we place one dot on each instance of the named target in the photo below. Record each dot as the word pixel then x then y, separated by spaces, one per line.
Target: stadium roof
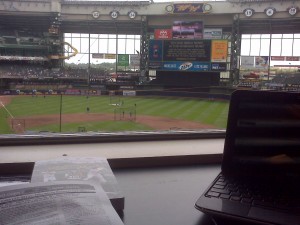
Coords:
pixel 107 3
pixel 36 22
pixel 41 22
pixel 102 27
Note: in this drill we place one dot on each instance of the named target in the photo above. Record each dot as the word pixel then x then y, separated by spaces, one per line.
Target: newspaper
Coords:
pixel 70 203
pixel 94 169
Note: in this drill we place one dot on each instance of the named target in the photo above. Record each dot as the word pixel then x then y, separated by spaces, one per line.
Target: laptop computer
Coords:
pixel 259 180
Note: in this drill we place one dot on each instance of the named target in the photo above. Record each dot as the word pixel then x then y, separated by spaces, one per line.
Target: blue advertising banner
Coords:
pixel 186 66
pixel 155 65
pixel 218 67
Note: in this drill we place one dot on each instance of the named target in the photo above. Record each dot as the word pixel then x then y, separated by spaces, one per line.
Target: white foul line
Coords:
pixel 6 109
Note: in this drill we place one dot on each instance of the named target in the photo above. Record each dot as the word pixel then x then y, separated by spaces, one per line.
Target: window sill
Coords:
pixel 93 137
pixel 122 150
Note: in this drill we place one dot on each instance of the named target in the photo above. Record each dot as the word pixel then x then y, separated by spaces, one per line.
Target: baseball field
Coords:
pixel 69 114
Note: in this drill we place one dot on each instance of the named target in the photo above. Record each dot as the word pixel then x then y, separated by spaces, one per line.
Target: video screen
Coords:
pixel 187 30
pixel 268 133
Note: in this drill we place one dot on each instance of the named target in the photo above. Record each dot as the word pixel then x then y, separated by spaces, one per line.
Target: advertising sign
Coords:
pixel 291 58
pixel 135 60
pixel 277 58
pixel 129 93
pixel 219 50
pixel 261 62
pixel 155 65
pixel 285 58
pixel 187 30
pixel 103 56
pixel 186 66
pixel 98 56
pixel 187 50
pixel 162 34
pixel 212 33
pixel 247 62
pixel 192 8
pixel 123 60
pixel 218 67
pixel 110 56
pixel 155 50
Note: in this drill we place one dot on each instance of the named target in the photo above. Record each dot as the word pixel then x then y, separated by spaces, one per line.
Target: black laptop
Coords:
pixel 260 176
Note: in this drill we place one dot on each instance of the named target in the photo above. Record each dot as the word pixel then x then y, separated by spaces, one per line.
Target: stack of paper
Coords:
pixel 69 203
pixel 64 191
pixel 94 169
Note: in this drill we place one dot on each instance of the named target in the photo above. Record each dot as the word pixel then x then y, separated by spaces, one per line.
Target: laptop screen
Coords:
pixel 263 132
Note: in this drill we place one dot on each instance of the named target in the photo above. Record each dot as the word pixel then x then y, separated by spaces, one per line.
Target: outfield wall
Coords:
pixel 184 94
pixel 208 93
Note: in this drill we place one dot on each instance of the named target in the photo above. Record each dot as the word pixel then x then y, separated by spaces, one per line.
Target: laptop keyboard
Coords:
pixel 257 194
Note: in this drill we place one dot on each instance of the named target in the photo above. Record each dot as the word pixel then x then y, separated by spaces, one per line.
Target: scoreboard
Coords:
pixel 188 55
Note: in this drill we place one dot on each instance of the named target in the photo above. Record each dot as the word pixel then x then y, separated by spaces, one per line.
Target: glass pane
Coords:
pixel 296 35
pixel 130 36
pixel 265 47
pixel 105 36
pixel 95 36
pixel 245 47
pixel 84 35
pixel 246 36
pixel 82 58
pixel 130 46
pixel 266 36
pixel 122 46
pixel 276 35
pixel 255 36
pixel 296 49
pixel 103 46
pixel 69 40
pixel 75 42
pixel 111 46
pixel 287 35
pixel 255 47
pixel 137 46
pixel 84 45
pixel 276 47
pixel 112 36
pixel 94 46
pixel 75 34
pixel 287 47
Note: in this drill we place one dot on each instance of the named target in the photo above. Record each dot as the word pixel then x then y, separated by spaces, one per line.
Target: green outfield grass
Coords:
pixel 191 109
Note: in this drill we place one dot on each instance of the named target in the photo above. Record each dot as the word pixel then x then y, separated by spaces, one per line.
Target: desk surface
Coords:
pixel 165 196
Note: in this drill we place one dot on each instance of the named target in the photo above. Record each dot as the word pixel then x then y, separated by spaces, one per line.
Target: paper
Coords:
pixel 93 169
pixel 51 203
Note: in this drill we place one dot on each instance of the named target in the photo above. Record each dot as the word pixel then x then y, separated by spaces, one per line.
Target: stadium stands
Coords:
pixel 289 82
